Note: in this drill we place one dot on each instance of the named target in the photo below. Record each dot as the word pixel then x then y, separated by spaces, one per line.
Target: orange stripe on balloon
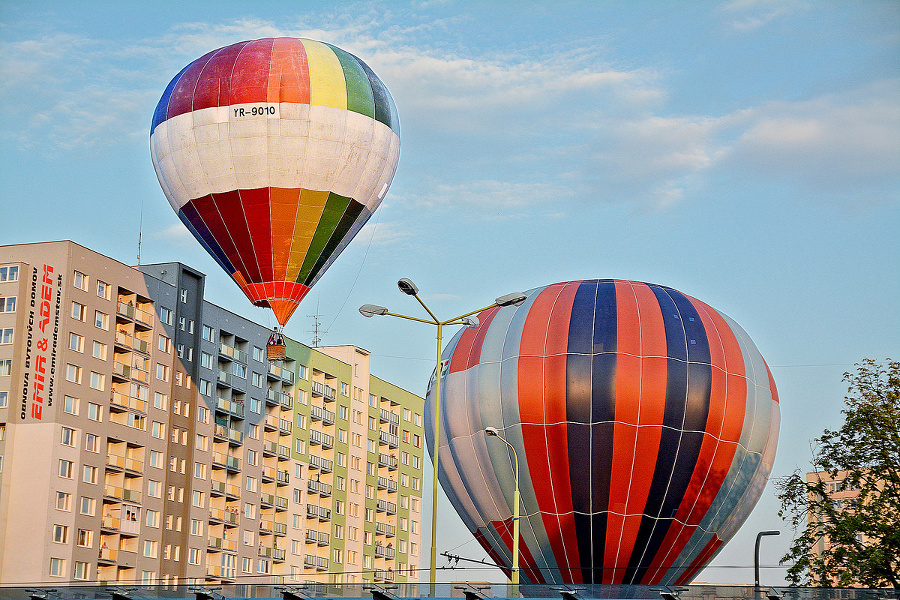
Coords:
pixel 288 72
pixel 284 217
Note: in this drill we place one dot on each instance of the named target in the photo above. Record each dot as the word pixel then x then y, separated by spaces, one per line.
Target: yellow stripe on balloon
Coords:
pixel 308 215
pixel 326 76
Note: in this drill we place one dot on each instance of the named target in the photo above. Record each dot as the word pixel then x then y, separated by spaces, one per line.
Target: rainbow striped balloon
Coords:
pixel 275 153
pixel 645 423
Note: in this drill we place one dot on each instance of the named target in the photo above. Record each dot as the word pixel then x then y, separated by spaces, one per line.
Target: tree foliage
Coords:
pixel 859 540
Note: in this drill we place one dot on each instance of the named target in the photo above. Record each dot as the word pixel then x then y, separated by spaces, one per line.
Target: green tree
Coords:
pixel 858 540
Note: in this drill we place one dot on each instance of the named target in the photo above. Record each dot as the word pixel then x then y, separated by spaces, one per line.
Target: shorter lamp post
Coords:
pixel 756 555
pixel 492 431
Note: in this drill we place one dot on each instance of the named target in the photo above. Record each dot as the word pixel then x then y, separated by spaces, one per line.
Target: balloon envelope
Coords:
pixel 645 424
pixel 275 153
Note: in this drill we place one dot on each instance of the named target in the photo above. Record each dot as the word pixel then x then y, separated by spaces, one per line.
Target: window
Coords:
pixel 158 430
pixel 206 360
pixel 258 354
pixel 252 484
pixel 165 316
pixel 209 334
pixel 256 379
pixel 60 534
pixel 95 413
pixel 202 414
pixel 88 506
pixel 76 342
pixel 152 518
pixel 206 387
pixel 250 511
pixel 73 373
pixel 256 405
pixel 164 344
pixel 68 437
pixel 154 489
pixel 201 442
pixel 194 556
pixel 7 304
pixel 80 281
pixel 162 372
pixel 6 335
pixel 4 399
pixel 85 538
pixel 99 350
pixel 160 401
pixel 156 459
pixel 246 565
pixel 81 570
pixel 6 367
pixel 239 370
pixel 98 381
pixel 89 474
pixel 9 273
pixel 345 389
pixel 200 470
pixel 197 499
pixel 102 289
pixel 57 565
pixel 184 296
pixel 151 547
pixel 65 468
pixel 63 501
pixel 78 311
pixel 301 371
pixel 101 320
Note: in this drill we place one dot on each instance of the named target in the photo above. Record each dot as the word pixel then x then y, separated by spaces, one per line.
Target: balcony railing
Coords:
pixel 384 575
pixel 385 506
pixel 120 493
pixel 317 462
pixel 385 529
pixel 140 374
pixel 284 426
pixel 318 512
pixel 317 487
pixel 220 572
pixel 225 378
pixel 382 551
pixel 229 462
pixel 386 460
pixel 231 352
pixel 123 462
pixel 387 484
pixel 391 439
pixel 320 538
pixel 108 554
pixel 389 417
pixel 319 437
pixel 267 499
pixel 324 390
pixel 271 422
pixel 121 370
pixel 315 562
pixel 282 398
pixel 282 477
pixel 228 516
pixel 281 503
pixel 270 447
pixel 222 544
pixel 320 413
pixel 281 372
pixel 230 406
pixel 283 452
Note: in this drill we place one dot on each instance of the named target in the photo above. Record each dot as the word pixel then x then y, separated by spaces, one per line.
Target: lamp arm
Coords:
pixel 411 318
pixel 436 320
pixel 468 314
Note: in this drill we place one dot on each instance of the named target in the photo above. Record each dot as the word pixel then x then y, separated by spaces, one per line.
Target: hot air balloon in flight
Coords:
pixel 275 153
pixel 645 424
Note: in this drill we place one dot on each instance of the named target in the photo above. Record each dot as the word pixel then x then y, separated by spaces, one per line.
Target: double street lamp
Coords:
pixel 492 431
pixel 409 288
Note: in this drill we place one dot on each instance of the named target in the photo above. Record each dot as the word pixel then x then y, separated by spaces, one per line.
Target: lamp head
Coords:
pixel 514 299
pixel 492 431
pixel 370 310
pixel 407 287
pixel 471 322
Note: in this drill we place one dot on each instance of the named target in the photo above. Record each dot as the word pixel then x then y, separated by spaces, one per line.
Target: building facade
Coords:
pixel 145 438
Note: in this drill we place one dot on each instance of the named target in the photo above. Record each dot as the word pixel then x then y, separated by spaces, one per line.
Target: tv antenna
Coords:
pixel 317 330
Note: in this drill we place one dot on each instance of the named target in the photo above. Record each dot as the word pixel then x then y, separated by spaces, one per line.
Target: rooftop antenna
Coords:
pixel 316 325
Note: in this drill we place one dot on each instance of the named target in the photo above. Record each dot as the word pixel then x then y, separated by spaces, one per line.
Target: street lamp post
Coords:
pixel 492 431
pixel 410 289
pixel 756 555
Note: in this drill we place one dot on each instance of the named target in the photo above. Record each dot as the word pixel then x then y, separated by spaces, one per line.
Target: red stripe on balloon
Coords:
pixel 250 76
pixel 708 551
pixel 647 341
pixel 526 561
pixel 208 210
pixel 258 212
pixel 182 98
pixel 484 322
pixel 542 402
pixel 214 83
pixel 232 212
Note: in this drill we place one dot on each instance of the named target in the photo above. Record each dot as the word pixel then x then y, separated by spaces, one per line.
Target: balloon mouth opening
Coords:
pixel 282 297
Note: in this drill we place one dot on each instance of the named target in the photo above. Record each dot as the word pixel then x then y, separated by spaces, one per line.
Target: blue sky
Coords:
pixel 746 153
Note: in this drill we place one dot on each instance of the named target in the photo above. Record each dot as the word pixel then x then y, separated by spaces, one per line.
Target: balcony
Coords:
pixel 382 551
pixel 118 402
pixel 284 426
pixel 323 390
pixel 227 516
pixel 275 397
pixel 108 555
pixel 121 370
pixel 384 575
pixel 266 526
pixel 220 572
pixel 123 462
pixel 282 477
pixel 126 340
pixel 281 373
pixel 268 474
pixel 124 494
pixel 231 463
pixel 385 506
pixel 280 528
pixel 218 543
pixel 317 462
pixel 389 417
pixel 230 352
pixel 141 375
pixel 385 529
pixel 225 379
pixel 110 523
pixel 314 511
pixel 391 439
pixel 270 423
pixel 387 484
pixel 386 460
pixel 319 437
pixel 284 452
pixel 319 413
pixel 281 503
pixel 230 406
pixel 319 563
pixel 234 436
pixel 267 500
pixel 320 538
pixel 317 487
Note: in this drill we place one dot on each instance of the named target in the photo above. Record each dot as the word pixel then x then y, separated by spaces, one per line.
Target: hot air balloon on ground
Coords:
pixel 275 153
pixel 645 424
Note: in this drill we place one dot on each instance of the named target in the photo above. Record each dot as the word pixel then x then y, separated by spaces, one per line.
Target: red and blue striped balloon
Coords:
pixel 644 420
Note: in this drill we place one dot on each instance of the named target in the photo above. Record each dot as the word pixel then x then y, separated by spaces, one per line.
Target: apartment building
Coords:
pixel 145 438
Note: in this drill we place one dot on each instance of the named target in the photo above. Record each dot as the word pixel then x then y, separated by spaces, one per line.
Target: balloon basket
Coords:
pixel 276 350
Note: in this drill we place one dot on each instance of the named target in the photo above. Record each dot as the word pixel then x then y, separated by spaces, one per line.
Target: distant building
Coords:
pixel 145 438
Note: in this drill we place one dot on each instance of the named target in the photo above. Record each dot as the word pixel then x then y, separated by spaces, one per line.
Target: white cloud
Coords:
pixel 748 15
pixel 176 234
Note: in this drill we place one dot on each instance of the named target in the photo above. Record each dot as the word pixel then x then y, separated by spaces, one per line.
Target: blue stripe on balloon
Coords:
pixel 194 222
pixel 159 115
